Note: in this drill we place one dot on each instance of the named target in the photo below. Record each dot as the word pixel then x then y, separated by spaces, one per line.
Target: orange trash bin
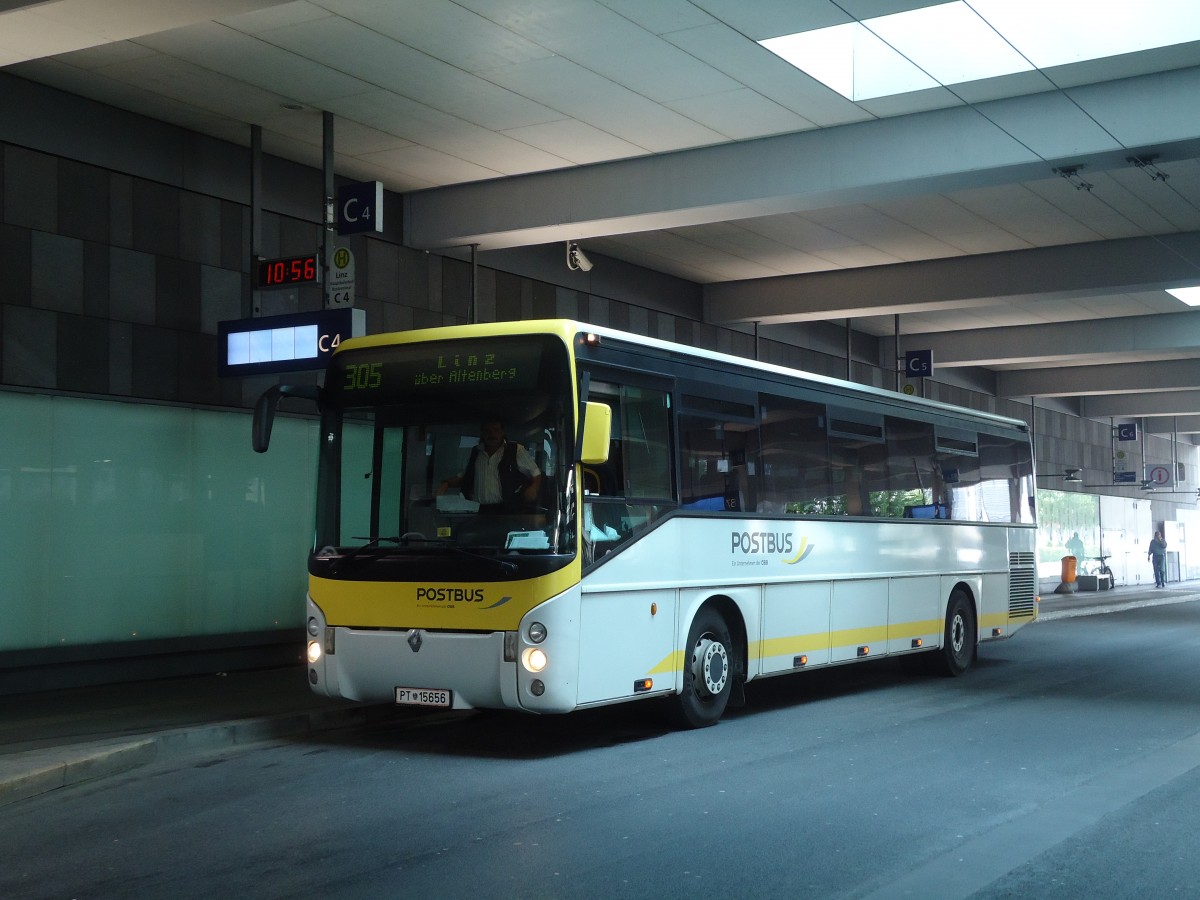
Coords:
pixel 1069 564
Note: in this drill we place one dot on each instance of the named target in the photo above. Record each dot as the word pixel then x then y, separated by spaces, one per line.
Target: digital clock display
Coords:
pixel 288 272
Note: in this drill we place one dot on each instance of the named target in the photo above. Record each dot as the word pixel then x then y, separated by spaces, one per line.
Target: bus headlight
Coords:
pixel 314 627
pixel 534 659
pixel 314 651
pixel 537 632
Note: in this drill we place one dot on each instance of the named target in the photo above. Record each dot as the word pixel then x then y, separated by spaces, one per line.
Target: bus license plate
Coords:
pixel 422 697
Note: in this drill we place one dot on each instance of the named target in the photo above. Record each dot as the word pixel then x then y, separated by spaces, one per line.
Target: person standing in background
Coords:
pixel 1075 546
pixel 1158 556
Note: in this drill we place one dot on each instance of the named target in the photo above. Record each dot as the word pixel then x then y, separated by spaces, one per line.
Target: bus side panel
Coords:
pixel 858 618
pixel 916 612
pixel 992 597
pixel 629 636
pixel 795 623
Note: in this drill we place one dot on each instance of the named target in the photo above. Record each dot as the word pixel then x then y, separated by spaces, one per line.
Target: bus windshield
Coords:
pixel 457 444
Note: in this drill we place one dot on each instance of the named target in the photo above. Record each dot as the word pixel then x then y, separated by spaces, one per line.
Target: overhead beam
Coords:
pixel 1171 424
pixel 1174 333
pixel 1078 381
pixel 1067 271
pixel 1132 406
pixel 986 144
pixel 783 173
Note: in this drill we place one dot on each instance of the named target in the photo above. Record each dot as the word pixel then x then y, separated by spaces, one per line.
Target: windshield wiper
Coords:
pixel 372 543
pixel 506 567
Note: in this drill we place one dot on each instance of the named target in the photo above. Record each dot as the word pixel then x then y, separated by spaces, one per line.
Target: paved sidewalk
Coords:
pixel 52 739
pixel 56 738
pixel 1061 606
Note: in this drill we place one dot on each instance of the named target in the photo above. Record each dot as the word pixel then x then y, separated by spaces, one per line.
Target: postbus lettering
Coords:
pixel 450 595
pixel 761 542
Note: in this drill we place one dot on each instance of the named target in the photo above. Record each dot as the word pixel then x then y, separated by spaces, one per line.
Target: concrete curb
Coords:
pixel 31 773
pixel 1118 604
pixel 46 771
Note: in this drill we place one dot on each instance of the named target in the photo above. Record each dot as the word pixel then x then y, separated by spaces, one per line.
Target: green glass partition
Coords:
pixel 124 521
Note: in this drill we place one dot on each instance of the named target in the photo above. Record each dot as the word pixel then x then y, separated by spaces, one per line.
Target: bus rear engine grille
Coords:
pixel 1022 585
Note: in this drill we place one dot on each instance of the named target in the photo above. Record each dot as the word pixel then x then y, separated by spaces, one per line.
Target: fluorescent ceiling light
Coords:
pixel 952 43
pixel 1189 295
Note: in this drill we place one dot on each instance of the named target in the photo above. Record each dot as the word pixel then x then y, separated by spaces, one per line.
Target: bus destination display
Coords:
pixel 449 367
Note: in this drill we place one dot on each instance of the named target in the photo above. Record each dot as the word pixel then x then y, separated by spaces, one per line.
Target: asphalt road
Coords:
pixel 1065 765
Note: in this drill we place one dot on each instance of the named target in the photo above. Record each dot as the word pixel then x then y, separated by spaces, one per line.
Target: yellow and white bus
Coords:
pixel 698 521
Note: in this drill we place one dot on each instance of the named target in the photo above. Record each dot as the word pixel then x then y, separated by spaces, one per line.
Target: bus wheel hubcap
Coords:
pixel 710 666
pixel 958 634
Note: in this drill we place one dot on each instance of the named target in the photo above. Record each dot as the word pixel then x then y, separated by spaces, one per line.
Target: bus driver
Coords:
pixel 500 474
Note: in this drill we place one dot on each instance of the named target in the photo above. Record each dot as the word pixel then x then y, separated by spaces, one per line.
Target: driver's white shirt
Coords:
pixel 487 472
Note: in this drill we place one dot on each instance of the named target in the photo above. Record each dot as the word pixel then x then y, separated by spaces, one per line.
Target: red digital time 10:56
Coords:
pixel 289 271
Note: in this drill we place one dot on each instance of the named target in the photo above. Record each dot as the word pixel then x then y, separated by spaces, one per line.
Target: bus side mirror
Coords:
pixel 264 410
pixel 597 427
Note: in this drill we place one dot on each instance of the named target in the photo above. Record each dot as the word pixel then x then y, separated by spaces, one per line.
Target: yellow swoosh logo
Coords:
pixel 800 554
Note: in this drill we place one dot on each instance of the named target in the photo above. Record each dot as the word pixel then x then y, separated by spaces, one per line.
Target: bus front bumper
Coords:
pixel 386 665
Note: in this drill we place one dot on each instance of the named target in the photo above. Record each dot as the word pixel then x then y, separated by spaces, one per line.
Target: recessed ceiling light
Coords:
pixel 294 107
pixel 1189 295
pixel 952 43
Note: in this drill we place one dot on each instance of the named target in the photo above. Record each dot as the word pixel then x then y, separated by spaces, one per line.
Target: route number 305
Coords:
pixel 363 377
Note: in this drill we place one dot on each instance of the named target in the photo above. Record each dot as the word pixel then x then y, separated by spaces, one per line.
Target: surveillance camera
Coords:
pixel 576 261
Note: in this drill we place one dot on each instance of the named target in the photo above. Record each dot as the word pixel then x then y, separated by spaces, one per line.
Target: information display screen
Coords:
pixel 287 343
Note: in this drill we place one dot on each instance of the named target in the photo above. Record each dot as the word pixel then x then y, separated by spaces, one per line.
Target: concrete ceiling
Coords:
pixel 659 133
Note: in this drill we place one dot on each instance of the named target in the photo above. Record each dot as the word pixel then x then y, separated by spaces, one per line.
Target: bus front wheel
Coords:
pixel 707 671
pixel 960 644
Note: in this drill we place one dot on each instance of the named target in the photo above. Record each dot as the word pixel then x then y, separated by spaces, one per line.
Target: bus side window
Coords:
pixel 702 459
pixel 719 452
pixel 639 454
pixel 719 462
pixel 1004 470
pixel 910 484
pixel 795 475
pixel 644 450
pixel 634 488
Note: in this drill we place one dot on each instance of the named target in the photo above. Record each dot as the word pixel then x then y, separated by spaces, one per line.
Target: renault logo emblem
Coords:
pixel 414 640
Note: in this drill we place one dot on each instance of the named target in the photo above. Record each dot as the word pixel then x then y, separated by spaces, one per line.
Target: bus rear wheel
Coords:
pixel 960 642
pixel 707 671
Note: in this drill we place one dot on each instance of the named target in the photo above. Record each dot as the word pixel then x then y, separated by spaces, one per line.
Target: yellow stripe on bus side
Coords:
pixel 857 637
pixel 903 630
pixel 788 646
pixel 673 662
pixel 793 644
